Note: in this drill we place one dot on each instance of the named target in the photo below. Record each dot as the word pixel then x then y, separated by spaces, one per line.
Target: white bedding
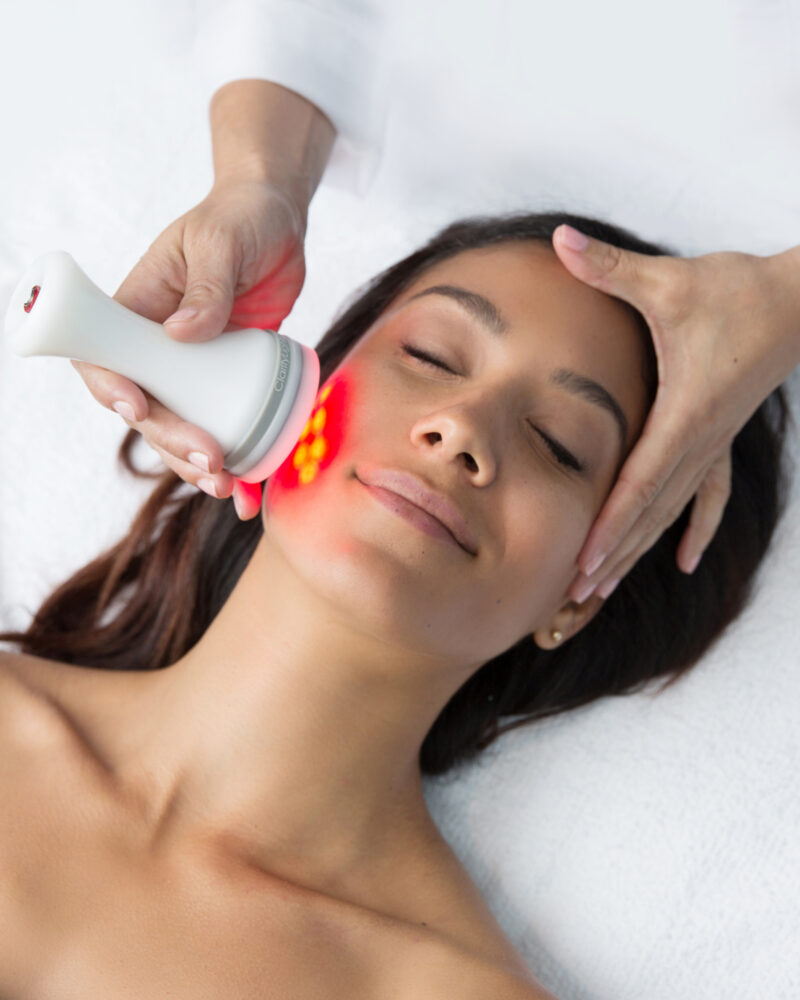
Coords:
pixel 640 847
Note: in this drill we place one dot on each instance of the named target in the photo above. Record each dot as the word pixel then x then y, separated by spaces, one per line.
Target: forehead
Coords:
pixel 527 280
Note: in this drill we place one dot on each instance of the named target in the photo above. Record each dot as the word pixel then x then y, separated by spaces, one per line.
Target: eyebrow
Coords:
pixel 490 317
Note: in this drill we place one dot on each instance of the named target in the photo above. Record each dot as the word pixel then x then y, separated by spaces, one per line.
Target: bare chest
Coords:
pixel 85 913
pixel 95 923
pixel 86 917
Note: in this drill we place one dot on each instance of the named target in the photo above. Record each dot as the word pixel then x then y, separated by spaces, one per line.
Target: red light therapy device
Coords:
pixel 253 390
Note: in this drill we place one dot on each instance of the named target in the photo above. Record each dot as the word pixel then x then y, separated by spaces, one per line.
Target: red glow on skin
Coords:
pixel 320 441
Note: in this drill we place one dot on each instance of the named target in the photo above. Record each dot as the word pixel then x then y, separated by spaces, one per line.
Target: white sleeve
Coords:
pixel 328 51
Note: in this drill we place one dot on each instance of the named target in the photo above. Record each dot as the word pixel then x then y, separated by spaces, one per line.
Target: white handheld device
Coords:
pixel 253 390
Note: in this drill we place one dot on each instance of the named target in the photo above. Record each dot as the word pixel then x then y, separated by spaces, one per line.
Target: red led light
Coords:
pixel 33 297
pixel 319 441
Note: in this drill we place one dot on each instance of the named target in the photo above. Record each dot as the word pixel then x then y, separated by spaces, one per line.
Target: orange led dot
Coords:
pixel 306 429
pixel 324 394
pixel 318 420
pixel 300 456
pixel 308 472
pixel 318 448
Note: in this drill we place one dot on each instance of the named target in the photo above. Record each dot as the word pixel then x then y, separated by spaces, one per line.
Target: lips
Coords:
pixel 413 489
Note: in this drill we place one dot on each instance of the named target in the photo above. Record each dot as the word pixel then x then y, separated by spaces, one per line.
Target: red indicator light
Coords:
pixel 32 300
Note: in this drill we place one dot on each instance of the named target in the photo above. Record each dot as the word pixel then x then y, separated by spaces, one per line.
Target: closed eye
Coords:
pixel 426 358
pixel 559 452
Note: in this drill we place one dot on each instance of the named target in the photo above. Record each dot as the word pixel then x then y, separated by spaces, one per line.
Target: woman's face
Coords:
pixel 524 435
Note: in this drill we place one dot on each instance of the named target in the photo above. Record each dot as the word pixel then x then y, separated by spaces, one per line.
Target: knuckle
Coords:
pixel 208 286
pixel 680 431
pixel 170 441
pixel 644 491
pixel 224 483
pixel 108 387
pixel 672 294
pixel 160 264
pixel 717 482
pixel 658 519
pixel 716 490
pixel 610 258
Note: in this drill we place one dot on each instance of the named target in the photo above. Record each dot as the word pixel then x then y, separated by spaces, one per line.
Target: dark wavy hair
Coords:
pixel 147 600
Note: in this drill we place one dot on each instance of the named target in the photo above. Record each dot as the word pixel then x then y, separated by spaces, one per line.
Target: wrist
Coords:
pixel 263 132
pixel 282 184
pixel 784 271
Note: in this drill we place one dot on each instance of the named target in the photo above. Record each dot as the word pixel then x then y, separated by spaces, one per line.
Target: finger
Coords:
pixel 648 467
pixel 109 388
pixel 205 308
pixel 154 286
pixel 643 535
pixel 640 279
pixel 220 487
pixel 247 499
pixel 707 510
pixel 165 430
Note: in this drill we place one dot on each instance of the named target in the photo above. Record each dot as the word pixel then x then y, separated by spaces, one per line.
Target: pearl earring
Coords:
pixel 556 636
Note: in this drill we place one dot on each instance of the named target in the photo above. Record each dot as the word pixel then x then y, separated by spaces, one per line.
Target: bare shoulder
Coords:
pixel 452 972
pixel 501 985
pixel 44 705
pixel 38 676
pixel 26 712
pixel 490 982
pixel 38 735
pixel 68 696
pixel 29 698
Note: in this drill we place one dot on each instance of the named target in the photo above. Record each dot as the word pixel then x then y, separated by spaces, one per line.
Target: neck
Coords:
pixel 287 731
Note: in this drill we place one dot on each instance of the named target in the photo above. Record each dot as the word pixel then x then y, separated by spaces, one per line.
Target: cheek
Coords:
pixel 544 531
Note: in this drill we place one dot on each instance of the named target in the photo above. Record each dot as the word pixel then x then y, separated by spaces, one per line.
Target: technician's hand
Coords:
pixel 235 260
pixel 726 332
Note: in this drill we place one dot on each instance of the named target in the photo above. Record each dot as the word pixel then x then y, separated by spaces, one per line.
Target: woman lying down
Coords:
pixel 214 734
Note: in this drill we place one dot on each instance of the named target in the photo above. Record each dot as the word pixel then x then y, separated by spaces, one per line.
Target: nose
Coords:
pixel 457 434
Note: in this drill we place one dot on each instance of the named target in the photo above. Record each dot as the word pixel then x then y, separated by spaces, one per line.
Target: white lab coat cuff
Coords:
pixel 328 51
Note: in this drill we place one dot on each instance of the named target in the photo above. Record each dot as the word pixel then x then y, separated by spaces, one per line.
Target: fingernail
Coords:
pixel 199 460
pixel 572 238
pixel 595 564
pixel 607 589
pixel 125 410
pixel 207 485
pixel 181 316
pixel 694 564
pixel 584 589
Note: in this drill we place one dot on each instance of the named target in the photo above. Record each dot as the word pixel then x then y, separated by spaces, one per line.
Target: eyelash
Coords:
pixel 562 456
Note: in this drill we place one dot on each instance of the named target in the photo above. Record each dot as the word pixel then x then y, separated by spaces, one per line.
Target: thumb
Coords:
pixel 205 309
pixel 634 277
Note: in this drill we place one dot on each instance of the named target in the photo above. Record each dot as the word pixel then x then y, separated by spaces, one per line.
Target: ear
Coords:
pixel 568 621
